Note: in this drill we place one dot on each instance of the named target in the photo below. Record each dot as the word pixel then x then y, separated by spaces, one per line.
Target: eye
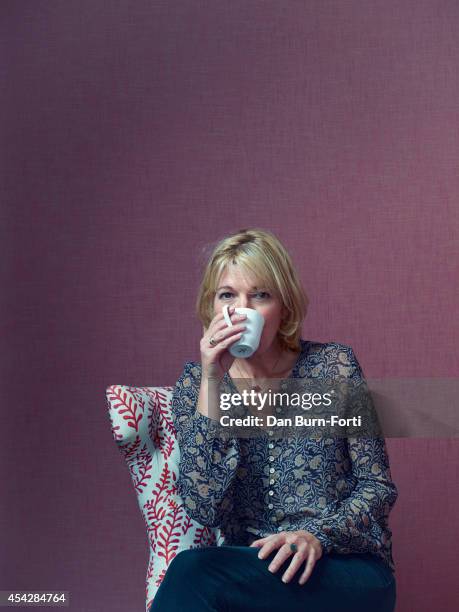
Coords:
pixel 264 294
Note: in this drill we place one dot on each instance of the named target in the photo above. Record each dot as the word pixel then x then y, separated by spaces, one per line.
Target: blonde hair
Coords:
pixel 258 252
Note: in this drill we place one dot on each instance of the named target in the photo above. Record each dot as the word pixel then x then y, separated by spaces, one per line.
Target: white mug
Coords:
pixel 250 339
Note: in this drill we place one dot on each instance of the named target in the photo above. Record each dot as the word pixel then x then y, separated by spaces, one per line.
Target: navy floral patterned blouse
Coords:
pixel 338 489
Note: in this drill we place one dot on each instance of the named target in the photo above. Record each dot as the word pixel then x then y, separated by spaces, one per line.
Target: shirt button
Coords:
pixel 271 481
pixel 270 445
pixel 270 433
pixel 270 506
pixel 271 458
pixel 271 492
pixel 278 409
pixel 280 528
pixel 271 470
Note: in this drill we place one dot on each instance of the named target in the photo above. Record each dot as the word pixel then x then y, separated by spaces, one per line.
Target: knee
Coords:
pixel 378 594
pixel 187 563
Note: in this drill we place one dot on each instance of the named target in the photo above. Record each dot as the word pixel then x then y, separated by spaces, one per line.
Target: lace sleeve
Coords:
pixel 208 463
pixel 359 523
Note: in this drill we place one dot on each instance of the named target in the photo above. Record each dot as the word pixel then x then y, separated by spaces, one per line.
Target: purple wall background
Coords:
pixel 138 133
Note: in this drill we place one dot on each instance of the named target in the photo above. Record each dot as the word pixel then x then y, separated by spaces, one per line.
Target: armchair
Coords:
pixel 143 430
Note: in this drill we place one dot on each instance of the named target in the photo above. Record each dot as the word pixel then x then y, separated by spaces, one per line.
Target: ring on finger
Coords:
pixel 294 548
pixel 212 341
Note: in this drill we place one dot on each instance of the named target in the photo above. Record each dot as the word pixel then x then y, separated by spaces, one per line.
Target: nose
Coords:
pixel 243 302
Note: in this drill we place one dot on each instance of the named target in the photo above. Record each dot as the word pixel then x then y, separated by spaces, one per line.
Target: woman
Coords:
pixel 305 520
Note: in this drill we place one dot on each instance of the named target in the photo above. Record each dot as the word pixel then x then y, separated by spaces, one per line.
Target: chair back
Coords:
pixel 142 427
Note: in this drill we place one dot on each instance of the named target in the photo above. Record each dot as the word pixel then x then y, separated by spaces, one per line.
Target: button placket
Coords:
pixel 271 471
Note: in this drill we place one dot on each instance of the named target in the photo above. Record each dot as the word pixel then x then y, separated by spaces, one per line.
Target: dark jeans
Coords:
pixel 234 579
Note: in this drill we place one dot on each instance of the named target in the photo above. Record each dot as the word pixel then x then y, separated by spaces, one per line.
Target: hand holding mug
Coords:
pixel 249 342
pixel 216 360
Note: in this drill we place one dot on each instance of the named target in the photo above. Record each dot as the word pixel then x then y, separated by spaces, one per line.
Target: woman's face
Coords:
pixel 237 289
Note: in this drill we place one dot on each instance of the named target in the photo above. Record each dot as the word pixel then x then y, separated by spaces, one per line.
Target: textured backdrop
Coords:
pixel 135 135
